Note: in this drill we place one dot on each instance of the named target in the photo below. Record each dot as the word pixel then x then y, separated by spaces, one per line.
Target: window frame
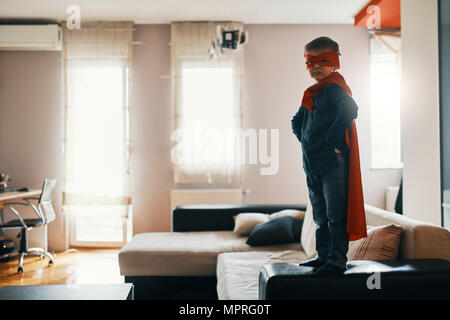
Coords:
pixel 126 220
pixel 373 59
pixel 191 62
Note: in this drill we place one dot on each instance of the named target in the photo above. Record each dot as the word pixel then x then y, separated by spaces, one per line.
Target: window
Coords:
pixel 385 107
pixel 207 102
pixel 96 155
pixel 208 107
pixel 96 194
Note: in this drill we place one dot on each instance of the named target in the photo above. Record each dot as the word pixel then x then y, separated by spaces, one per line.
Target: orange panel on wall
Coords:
pixel 379 14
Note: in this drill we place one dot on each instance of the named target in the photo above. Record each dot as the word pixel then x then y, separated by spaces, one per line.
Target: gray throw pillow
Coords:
pixel 279 230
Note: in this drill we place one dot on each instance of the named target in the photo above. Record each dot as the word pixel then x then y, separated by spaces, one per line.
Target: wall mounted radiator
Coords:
pixel 391 198
pixel 180 197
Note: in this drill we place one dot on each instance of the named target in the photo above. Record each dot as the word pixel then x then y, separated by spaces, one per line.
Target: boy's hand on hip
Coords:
pixel 335 149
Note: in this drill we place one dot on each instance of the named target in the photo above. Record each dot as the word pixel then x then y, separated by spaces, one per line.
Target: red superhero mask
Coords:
pixel 326 59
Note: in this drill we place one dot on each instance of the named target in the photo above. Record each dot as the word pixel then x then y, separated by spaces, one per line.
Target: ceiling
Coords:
pixel 165 11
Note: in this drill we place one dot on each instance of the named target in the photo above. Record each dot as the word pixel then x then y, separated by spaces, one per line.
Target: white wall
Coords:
pixel 31 130
pixel 31 110
pixel 151 117
pixel 275 78
pixel 420 110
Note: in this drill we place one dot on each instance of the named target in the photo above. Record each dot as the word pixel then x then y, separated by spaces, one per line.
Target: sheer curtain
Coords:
pixel 97 73
pixel 207 96
pixel 391 39
pixel 385 71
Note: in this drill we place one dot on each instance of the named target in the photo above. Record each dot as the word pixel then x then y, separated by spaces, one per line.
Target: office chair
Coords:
pixel 46 214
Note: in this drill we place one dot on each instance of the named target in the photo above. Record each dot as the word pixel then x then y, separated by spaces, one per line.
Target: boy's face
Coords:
pixel 319 72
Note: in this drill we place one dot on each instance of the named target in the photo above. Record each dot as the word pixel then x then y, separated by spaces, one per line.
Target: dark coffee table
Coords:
pixel 123 291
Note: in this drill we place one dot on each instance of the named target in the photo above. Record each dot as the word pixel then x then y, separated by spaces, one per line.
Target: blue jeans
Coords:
pixel 328 196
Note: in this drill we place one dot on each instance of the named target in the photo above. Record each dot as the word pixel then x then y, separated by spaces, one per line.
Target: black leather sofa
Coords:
pixel 364 279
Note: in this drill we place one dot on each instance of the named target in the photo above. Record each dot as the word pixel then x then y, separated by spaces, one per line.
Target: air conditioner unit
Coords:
pixel 31 37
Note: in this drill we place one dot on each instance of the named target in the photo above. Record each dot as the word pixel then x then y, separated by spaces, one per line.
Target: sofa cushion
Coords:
pixel 279 230
pixel 308 235
pixel 183 253
pixel 296 214
pixel 419 240
pixel 238 272
pixel 246 221
pixel 381 243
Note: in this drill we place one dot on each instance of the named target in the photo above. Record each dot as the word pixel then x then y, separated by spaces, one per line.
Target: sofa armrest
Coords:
pixel 218 217
pixel 364 279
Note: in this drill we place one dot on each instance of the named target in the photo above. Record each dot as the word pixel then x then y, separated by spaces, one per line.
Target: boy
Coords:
pixel 324 125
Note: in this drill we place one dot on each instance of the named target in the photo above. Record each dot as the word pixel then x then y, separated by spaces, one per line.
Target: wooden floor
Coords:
pixel 87 266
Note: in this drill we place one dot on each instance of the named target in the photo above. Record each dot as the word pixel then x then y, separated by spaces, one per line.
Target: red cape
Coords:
pixel 356 217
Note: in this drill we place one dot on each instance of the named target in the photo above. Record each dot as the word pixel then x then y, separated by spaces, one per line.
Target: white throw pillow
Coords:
pixel 245 222
pixel 308 236
pixel 296 214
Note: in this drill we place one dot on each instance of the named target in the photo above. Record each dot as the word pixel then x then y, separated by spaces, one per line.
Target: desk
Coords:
pixel 13 197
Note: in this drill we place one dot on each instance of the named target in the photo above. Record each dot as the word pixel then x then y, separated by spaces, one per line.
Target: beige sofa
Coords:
pixel 203 254
pixel 237 272
pixel 184 253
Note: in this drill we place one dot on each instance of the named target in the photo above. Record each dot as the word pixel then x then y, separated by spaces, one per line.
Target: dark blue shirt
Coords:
pixel 323 129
